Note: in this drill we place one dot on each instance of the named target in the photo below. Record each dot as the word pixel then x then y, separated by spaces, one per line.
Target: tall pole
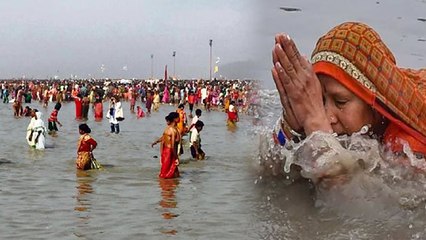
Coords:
pixel 211 43
pixel 152 66
pixel 174 64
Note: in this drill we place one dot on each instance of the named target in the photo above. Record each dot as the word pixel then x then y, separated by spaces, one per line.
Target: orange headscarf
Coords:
pixel 353 54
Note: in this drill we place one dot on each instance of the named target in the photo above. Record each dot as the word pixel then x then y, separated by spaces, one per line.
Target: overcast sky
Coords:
pixel 41 38
pixel 396 21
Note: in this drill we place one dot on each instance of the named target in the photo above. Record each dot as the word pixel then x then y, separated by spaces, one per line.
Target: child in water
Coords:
pixel 53 119
pixel 140 113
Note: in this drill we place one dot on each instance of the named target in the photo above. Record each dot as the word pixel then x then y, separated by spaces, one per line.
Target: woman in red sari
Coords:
pixel 85 147
pixel 78 106
pixel 352 85
pixel 98 108
pixel 169 142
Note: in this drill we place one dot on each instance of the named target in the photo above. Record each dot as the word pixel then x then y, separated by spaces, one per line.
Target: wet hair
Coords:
pixel 168 118
pixel 83 127
pixel 199 123
pixel 181 106
pixel 58 106
pixel 198 112
pixel 174 115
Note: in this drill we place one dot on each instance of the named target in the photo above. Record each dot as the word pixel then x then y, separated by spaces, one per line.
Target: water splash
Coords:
pixel 347 170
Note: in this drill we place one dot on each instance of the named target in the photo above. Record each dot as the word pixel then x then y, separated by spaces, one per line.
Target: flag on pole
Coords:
pixel 216 69
pixel 174 53
pixel 211 42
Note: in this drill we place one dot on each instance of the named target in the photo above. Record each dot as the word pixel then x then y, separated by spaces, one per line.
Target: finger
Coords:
pixel 285 62
pixel 305 63
pixel 282 74
pixel 280 87
pixel 274 57
pixel 281 91
pixel 292 52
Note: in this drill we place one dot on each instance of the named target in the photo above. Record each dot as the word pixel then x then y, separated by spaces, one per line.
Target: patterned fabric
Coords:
pixel 358 50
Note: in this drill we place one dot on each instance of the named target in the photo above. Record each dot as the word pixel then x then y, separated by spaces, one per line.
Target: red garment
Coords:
pixel 78 108
pixel 140 113
pixel 191 99
pixel 86 143
pixel 53 116
pixel 169 168
pixel 98 111
pixel 232 116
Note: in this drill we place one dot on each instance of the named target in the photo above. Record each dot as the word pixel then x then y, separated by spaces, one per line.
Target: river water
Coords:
pixel 233 194
pixel 43 196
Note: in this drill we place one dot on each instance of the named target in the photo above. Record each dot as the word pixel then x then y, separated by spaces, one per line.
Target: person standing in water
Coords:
pixel 98 108
pixel 196 151
pixel 36 131
pixel 85 147
pixel 78 107
pixel 169 144
pixel 232 114
pixel 53 120
pixel 182 119
pixel 115 114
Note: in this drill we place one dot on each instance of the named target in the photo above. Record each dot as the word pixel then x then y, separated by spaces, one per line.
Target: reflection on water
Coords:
pixel 84 189
pixel 168 201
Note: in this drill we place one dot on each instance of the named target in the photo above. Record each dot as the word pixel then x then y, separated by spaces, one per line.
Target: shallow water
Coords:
pixel 43 196
pixel 231 195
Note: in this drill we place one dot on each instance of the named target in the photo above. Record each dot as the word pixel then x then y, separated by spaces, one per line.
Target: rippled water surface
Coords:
pixel 43 196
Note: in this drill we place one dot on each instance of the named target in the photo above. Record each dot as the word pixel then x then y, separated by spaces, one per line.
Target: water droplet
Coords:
pixel 268 198
pixel 410 226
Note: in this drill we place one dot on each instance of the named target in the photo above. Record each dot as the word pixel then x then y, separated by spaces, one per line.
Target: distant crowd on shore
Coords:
pixel 213 94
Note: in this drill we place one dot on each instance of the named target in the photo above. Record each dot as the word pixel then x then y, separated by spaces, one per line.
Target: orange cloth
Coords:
pixel 353 54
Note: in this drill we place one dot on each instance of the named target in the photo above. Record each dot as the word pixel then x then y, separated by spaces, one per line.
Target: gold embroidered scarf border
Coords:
pixel 345 65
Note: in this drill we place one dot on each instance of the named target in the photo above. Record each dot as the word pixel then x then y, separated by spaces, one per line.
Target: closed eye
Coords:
pixel 340 103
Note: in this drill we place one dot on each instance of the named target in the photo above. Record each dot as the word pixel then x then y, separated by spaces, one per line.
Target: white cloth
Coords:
pixel 203 93
pixel 195 136
pixel 37 127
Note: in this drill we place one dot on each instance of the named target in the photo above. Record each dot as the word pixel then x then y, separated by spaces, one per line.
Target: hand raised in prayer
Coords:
pixel 297 81
pixel 288 111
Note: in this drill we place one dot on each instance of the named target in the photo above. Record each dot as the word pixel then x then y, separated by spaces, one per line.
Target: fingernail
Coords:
pixel 278 65
pixel 278 46
pixel 288 37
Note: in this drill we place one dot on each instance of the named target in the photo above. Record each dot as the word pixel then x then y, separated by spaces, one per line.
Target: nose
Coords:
pixel 332 117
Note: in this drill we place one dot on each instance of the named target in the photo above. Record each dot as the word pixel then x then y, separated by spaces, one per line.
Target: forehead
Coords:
pixel 332 86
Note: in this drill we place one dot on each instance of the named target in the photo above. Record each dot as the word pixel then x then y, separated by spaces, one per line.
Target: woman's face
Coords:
pixel 346 112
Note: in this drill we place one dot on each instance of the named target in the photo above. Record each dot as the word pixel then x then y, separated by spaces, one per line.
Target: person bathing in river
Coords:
pixel 351 85
pixel 195 141
pixel 85 147
pixel 36 131
pixel 53 120
pixel 169 148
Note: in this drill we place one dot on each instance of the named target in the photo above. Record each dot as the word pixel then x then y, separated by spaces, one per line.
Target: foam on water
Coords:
pixel 353 176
